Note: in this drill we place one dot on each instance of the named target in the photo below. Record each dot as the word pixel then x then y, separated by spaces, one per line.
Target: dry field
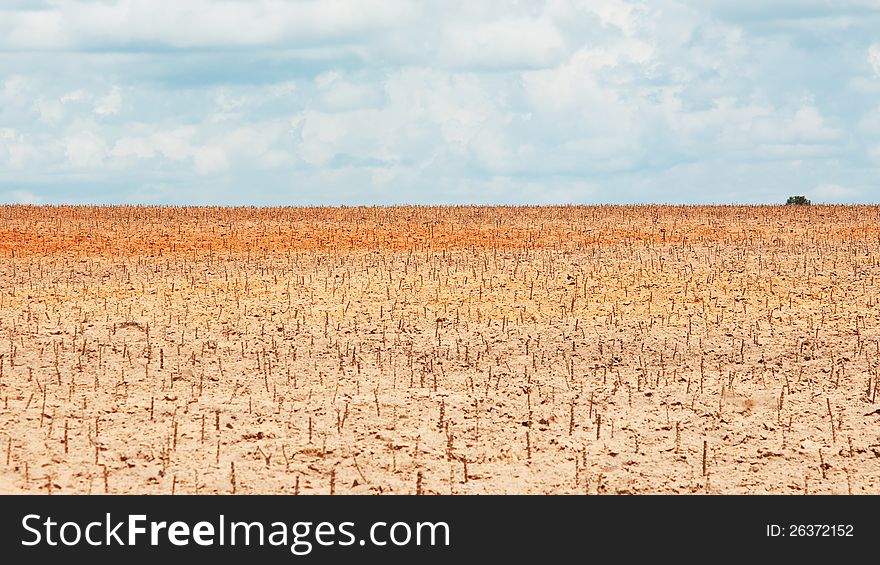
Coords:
pixel 440 350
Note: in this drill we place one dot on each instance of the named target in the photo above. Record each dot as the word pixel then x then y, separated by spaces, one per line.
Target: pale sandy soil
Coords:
pixel 452 350
pixel 6 487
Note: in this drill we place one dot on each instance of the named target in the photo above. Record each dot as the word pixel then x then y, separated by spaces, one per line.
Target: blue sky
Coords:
pixel 438 102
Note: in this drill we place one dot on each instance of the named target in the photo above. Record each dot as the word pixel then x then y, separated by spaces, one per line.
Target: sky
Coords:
pixel 376 102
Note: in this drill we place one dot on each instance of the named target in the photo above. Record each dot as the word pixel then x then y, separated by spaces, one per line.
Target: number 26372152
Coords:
pixel 810 530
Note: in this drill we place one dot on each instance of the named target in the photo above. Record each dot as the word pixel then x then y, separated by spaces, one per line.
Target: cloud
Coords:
pixel 835 194
pixel 16 89
pixel 20 197
pixel 380 101
pixel 338 92
pixel 195 24
pixel 506 43
pixel 210 160
pixel 85 149
pixel 177 145
pixel 136 147
pixel 874 58
pixel 74 96
pixel 16 151
pixel 110 104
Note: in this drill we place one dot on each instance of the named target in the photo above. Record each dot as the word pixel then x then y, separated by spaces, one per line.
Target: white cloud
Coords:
pixel 255 143
pixel 504 43
pixel 110 104
pixel 178 144
pixel 804 125
pixel 137 147
pixel 50 111
pixel 71 24
pixel 16 89
pixel 16 152
pixel 20 197
pixel 339 93
pixel 874 58
pixel 151 193
pixel 834 194
pixel 78 95
pixel 44 29
pixel 85 149
pixel 228 103
pixel 452 100
pixel 210 160
pixel 427 114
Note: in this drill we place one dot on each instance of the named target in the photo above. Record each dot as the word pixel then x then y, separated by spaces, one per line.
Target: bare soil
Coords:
pixel 445 350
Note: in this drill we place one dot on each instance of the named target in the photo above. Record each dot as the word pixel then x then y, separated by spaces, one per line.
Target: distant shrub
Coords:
pixel 797 201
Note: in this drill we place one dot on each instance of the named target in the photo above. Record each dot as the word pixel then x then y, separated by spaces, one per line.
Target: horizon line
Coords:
pixel 356 206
